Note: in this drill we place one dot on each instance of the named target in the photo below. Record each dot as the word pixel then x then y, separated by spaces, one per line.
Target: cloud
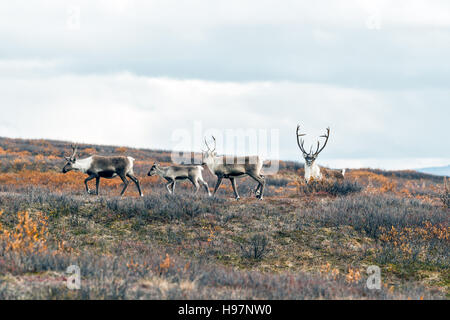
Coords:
pixel 125 109
pixel 325 41
pixel 376 72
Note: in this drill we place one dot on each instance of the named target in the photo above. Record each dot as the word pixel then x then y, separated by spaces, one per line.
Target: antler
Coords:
pixel 207 146
pixel 215 145
pixel 326 135
pixel 74 151
pixel 300 142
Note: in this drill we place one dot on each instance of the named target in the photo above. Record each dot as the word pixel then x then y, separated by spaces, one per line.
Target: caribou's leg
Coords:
pixel 97 184
pixel 92 176
pixel 173 186
pixel 257 190
pixel 261 189
pixel 262 182
pixel 219 181
pixel 125 182
pixel 233 184
pixel 195 183
pixel 170 182
pixel 136 182
pixel 205 185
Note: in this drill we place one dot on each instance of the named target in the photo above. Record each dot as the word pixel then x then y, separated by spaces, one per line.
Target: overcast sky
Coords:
pixel 139 73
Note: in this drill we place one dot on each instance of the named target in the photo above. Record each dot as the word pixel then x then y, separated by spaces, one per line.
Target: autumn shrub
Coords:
pixel 40 198
pixel 277 182
pixel 255 248
pixel 70 183
pixel 405 174
pixel 158 205
pixel 427 244
pixel 329 187
pixel 375 183
pixel 290 165
pixel 138 271
pixel 165 206
pixel 445 195
pixel 28 235
pixel 369 213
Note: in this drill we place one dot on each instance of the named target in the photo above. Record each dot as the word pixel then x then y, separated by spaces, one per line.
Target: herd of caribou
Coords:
pixel 109 167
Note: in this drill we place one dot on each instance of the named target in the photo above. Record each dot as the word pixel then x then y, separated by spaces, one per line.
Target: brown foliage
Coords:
pixel 29 235
pixel 58 181
pixel 445 196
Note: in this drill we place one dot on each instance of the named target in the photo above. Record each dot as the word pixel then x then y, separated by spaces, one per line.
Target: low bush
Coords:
pixel 138 271
pixel 369 213
pixel 164 206
pixel 277 182
pixel 445 195
pixel 427 244
pixel 255 247
pixel 330 187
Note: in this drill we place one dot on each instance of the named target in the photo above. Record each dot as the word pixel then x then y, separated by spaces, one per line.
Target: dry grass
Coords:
pixel 302 242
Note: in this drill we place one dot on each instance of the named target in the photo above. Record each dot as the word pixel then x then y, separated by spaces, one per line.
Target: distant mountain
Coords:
pixel 438 171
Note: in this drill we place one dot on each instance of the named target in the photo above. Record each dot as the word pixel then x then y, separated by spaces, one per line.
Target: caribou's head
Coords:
pixel 153 169
pixel 71 160
pixel 311 156
pixel 210 153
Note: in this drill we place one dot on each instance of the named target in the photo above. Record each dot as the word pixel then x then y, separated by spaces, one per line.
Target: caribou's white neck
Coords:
pixel 312 171
pixel 83 165
pixel 212 162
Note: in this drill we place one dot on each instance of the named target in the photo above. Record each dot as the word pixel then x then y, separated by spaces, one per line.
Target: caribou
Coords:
pixel 103 167
pixel 172 174
pixel 312 170
pixel 234 167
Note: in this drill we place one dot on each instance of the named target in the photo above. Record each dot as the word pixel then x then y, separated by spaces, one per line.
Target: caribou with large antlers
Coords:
pixel 234 167
pixel 103 167
pixel 312 170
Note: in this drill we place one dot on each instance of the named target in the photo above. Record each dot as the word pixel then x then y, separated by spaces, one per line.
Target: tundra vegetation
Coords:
pixel 304 241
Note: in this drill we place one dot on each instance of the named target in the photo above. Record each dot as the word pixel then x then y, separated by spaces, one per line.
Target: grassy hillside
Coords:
pixel 302 242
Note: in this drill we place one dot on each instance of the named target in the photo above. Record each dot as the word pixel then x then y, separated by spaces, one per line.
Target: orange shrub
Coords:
pixel 419 239
pixel 39 158
pixel 121 150
pixel 90 151
pixel 375 182
pixel 71 181
pixel 52 157
pixel 54 180
pixel 29 234
pixel 165 264
pixel 353 275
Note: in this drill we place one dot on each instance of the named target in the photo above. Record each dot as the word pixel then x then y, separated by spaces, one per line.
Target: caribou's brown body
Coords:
pixel 235 167
pixel 103 167
pixel 172 174
pixel 333 174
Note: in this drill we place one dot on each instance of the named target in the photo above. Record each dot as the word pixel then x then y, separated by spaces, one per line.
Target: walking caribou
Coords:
pixel 172 174
pixel 103 167
pixel 312 170
pixel 234 167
